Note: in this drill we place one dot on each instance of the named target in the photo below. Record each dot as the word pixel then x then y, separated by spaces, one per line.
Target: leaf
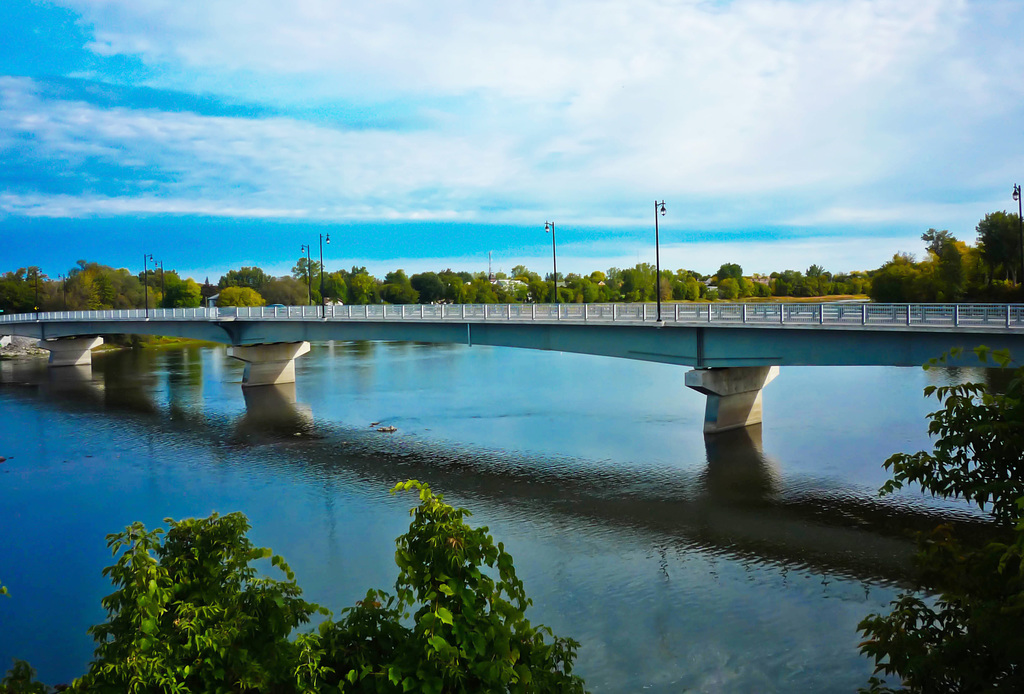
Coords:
pixel 438 643
pixel 445 615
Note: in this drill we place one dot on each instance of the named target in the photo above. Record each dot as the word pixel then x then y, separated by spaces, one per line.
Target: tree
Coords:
pixel 182 294
pixel 306 269
pixel 362 288
pixel 897 280
pixel 729 270
pixel 286 290
pixel 190 613
pixel 397 289
pixel 728 289
pixel 969 640
pixel 999 236
pixel 937 240
pixel 240 296
pixel 468 631
pixel 430 287
pixel 252 277
pixel 814 279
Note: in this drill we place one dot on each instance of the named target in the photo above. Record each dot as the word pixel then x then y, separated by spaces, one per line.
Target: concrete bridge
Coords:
pixel 735 349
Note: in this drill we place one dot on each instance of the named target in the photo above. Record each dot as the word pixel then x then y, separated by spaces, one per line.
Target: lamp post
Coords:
pixel 1020 219
pixel 64 285
pixel 309 276
pixel 323 301
pixel 657 253
pixel 163 291
pixel 550 226
pixel 37 293
pixel 146 257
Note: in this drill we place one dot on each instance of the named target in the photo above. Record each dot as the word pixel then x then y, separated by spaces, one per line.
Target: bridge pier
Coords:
pixel 267 365
pixel 71 351
pixel 734 395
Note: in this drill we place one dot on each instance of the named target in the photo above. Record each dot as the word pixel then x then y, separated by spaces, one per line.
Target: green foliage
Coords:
pixel 729 270
pixel 189 613
pixel 429 286
pixel 979 439
pixel 362 288
pixel 728 289
pixel 398 289
pixel 999 238
pixel 181 293
pixel 240 296
pixel 969 639
pixel 286 291
pixel 20 679
pixel 252 277
pixel 468 633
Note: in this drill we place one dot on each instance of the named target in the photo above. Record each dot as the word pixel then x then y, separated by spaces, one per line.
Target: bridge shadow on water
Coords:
pixel 738 504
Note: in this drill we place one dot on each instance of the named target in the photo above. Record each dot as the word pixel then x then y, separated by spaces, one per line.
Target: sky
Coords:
pixel 424 135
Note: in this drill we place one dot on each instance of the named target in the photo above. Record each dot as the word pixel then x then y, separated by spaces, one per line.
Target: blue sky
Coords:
pixel 780 133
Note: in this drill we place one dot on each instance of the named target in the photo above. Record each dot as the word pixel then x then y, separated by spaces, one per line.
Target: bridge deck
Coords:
pixel 701 335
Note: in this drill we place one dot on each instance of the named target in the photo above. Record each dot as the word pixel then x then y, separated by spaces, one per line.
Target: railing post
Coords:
pixel 782 314
pixel 586 312
pixel 1007 315
pixel 509 307
pixel 463 311
pixel 709 312
pixel 645 310
pixel 677 313
pixel 863 314
pixel 821 314
pixel 743 311
pixel 533 311
pixel 908 314
pixel 956 315
pixel 421 311
pixel 615 313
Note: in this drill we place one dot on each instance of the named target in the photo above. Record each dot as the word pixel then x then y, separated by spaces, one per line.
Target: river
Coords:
pixel 742 564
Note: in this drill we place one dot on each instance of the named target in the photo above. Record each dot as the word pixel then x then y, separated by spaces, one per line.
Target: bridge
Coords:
pixel 734 349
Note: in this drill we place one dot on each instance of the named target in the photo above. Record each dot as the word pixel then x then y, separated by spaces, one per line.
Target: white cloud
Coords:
pixel 747 113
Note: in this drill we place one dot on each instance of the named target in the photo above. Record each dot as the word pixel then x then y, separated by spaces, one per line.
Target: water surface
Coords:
pixel 738 564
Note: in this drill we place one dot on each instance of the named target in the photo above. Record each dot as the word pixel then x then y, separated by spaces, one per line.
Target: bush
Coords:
pixel 969 639
pixel 191 614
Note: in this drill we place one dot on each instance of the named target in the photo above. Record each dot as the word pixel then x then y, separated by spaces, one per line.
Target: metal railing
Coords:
pixel 1007 316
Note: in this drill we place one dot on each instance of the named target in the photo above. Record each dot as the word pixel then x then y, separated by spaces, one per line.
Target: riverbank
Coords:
pixel 26 347
pixel 21 348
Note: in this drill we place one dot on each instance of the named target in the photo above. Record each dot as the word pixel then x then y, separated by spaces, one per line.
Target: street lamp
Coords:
pixel 37 293
pixel 309 277
pixel 657 253
pixel 64 285
pixel 1020 219
pixel 146 257
pixel 550 226
pixel 323 301
pixel 163 291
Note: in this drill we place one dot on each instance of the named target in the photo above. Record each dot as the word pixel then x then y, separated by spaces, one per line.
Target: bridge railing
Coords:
pixel 826 314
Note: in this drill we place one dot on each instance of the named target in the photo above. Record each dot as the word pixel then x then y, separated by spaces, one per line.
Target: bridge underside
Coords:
pixel 697 346
pixel 735 355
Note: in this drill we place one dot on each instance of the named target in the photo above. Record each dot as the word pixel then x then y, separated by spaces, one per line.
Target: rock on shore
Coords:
pixel 21 347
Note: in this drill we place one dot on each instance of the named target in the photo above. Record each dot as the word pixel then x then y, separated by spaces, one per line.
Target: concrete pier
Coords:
pixel 271 364
pixel 734 395
pixel 71 351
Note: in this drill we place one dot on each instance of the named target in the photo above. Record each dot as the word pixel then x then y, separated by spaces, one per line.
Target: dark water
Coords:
pixel 739 565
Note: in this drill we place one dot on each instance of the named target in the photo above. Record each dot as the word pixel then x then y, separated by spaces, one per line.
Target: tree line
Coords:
pixel 950 271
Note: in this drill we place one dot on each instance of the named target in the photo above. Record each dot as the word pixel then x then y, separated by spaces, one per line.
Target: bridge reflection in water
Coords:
pixel 736 505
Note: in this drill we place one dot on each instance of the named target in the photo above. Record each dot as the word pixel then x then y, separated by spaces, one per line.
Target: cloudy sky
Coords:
pixel 422 135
